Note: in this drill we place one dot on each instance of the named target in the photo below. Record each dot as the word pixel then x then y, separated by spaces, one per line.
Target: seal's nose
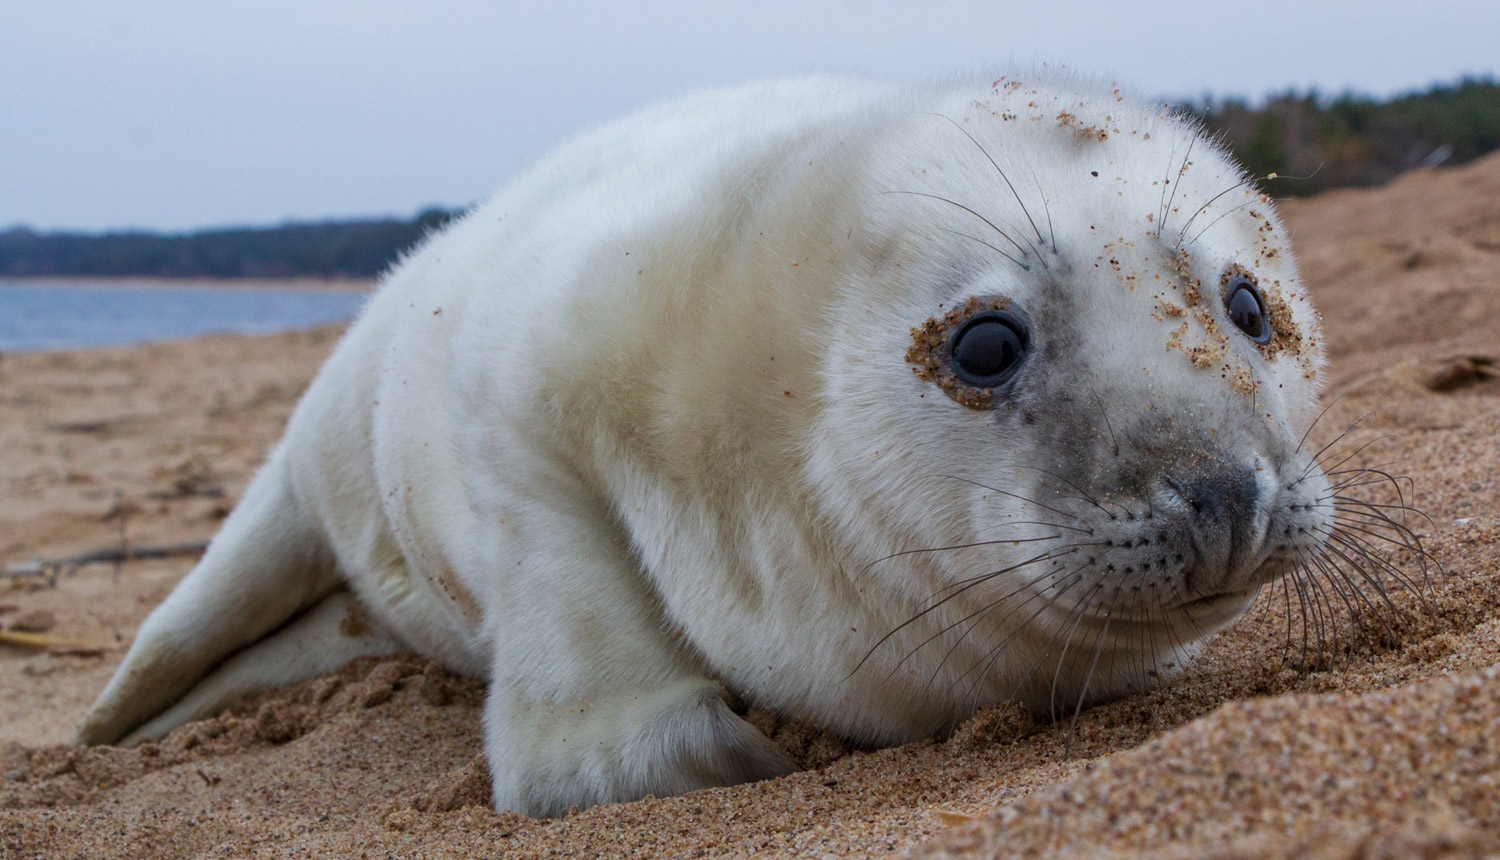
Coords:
pixel 1220 509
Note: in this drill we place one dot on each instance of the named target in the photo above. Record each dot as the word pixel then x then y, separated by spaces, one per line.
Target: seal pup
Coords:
pixel 863 404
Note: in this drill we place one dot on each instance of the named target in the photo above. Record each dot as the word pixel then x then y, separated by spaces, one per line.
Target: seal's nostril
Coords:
pixel 1218 508
pixel 1229 492
pixel 1244 489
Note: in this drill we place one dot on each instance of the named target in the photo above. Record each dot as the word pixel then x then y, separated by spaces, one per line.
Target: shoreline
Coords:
pixel 302 284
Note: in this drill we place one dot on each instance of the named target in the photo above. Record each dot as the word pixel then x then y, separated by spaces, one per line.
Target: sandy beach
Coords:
pixel 1381 743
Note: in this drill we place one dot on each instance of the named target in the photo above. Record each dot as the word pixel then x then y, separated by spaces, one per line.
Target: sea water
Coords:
pixel 48 317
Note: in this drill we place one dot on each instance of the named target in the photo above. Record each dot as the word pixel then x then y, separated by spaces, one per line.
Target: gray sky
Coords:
pixel 178 115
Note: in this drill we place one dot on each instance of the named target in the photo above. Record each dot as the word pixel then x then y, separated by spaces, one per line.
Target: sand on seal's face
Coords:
pixel 1382 749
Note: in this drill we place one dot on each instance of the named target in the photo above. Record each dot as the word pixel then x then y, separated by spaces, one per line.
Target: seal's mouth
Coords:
pixel 1206 611
pixel 1224 602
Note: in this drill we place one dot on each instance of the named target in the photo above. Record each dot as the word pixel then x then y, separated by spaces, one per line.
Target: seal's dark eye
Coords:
pixel 1247 311
pixel 988 348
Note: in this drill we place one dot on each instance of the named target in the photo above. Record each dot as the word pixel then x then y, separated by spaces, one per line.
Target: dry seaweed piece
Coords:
pixel 1462 372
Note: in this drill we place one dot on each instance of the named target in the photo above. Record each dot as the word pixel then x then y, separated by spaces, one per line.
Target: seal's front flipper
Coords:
pixel 320 640
pixel 593 698
pixel 619 747
pixel 268 563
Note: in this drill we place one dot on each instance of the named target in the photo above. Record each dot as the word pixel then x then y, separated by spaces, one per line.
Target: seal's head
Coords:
pixel 1083 366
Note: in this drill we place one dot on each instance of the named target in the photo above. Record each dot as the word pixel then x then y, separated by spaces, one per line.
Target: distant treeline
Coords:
pixel 1313 143
pixel 347 249
pixel 1310 141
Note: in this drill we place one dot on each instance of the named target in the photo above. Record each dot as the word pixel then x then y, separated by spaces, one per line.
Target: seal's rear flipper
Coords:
pixel 268 563
pixel 320 640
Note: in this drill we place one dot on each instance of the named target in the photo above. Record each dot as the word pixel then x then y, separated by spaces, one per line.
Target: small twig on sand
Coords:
pixel 108 555
pixel 124 541
pixel 50 643
pixel 951 818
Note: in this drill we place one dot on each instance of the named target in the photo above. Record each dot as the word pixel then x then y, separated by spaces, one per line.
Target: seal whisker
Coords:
pixel 1114 443
pixel 1340 543
pixel 1151 671
pixel 1347 564
pixel 1368 540
pixel 974 618
pixel 1088 679
pixel 1355 540
pixel 1353 482
pixel 1046 210
pixel 1356 516
pixel 987 221
pixel 1312 628
pixel 1316 459
pixel 1012 495
pixel 1340 502
pixel 958 546
pixel 1266 596
pixel 1181 171
pixel 1354 478
pixel 1376 512
pixel 1333 571
pixel 1078 614
pixel 1379 471
pixel 1146 655
pixel 1213 222
pixel 1285 584
pixel 1211 201
pixel 1174 639
pixel 954 592
pixel 1344 457
pixel 1069 579
pixel 1105 614
pixel 1327 615
pixel 1317 455
pixel 1362 584
pixel 991 160
pixel 1381 526
pixel 1082 494
pixel 982 242
pixel 1361 559
pixel 1182 599
pixel 1307 628
pixel 988 660
pixel 1372 555
pixel 1367 533
pixel 1344 585
pixel 1322 412
pixel 1166 182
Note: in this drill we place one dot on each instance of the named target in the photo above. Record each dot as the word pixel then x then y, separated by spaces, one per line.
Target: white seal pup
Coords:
pixel 862 404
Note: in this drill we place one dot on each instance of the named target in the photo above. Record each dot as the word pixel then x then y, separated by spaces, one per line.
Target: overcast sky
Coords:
pixel 180 115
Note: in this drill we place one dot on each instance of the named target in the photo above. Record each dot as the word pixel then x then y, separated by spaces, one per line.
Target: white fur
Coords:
pixel 640 430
